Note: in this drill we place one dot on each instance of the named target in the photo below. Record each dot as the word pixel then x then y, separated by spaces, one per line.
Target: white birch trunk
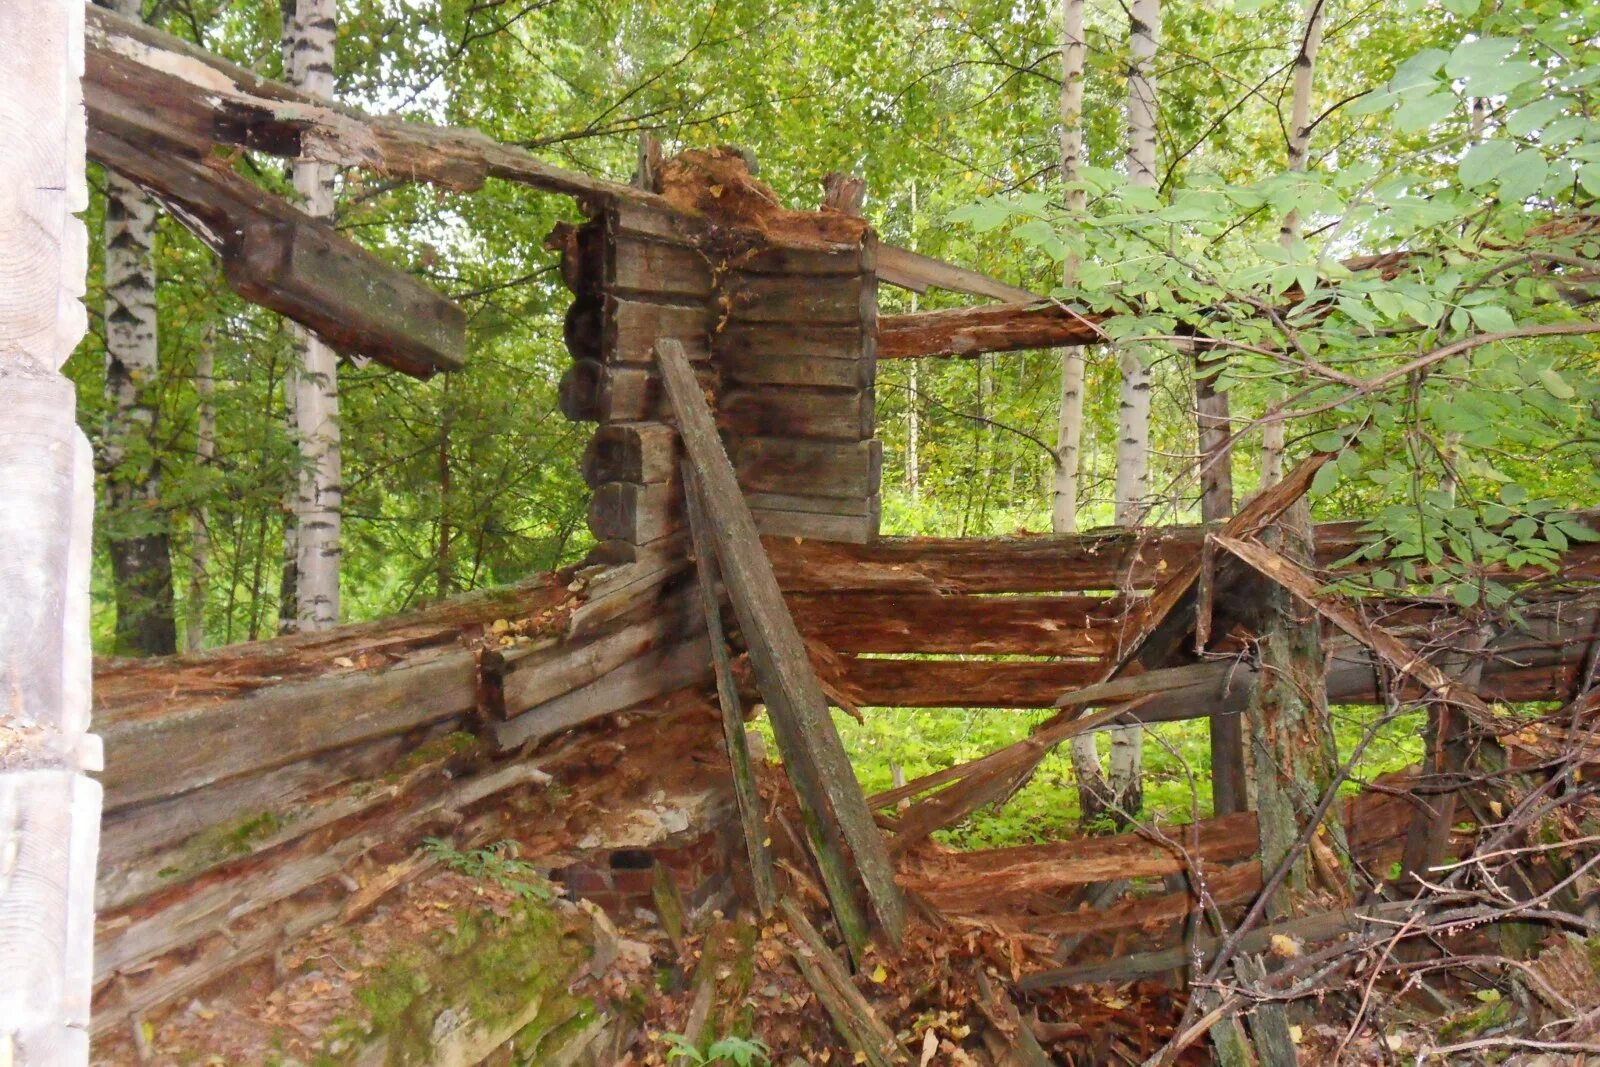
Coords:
pixel 320 499
pixel 49 810
pixel 1093 791
pixel 1305 61
pixel 1133 431
pixel 140 557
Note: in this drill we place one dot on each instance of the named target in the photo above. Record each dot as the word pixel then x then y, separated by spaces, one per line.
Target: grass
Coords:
pixel 1177 764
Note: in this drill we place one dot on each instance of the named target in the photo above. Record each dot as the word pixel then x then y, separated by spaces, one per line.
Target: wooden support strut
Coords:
pixel 751 817
pixel 837 813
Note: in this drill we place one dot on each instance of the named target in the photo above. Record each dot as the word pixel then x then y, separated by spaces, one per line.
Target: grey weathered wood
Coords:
pixel 167 754
pixel 658 672
pixel 49 812
pixel 813 754
pixel 797 411
pixel 539 676
pixel 743 365
pixel 767 298
pixel 630 327
pixel 661 270
pixel 856 507
pixel 277 256
pixel 631 452
pixel 751 817
pixel 919 273
pixel 818 526
pixel 804 467
pixel 630 511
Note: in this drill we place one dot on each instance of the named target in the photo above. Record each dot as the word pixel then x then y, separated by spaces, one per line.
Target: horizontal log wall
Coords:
pixel 780 331
pixel 256 791
pixel 1017 622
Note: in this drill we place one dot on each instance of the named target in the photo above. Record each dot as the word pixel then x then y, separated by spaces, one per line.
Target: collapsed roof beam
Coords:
pixel 142 85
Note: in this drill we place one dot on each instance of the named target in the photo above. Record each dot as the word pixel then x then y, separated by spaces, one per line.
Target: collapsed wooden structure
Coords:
pixel 724 345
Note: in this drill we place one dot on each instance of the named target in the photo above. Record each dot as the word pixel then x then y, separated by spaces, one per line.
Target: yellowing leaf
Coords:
pixel 879 974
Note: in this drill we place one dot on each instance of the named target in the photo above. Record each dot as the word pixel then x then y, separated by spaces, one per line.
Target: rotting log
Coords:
pixel 277 256
pixel 813 755
pixel 49 809
pixel 1044 625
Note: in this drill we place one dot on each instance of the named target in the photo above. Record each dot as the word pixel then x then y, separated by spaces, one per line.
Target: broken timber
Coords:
pixel 813 755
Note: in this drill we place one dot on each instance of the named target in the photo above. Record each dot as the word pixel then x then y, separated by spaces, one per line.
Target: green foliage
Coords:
pixel 739 1051
pixel 495 863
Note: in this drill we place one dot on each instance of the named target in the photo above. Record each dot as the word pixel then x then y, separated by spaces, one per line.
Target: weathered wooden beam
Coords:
pixel 850 469
pixel 145 82
pixel 972 331
pixel 797 411
pixel 959 623
pixel 919 273
pixel 923 683
pixel 813 755
pixel 644 452
pixel 279 257
pixel 752 818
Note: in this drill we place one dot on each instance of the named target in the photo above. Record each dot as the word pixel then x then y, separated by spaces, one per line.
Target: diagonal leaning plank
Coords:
pixel 1384 644
pixel 751 818
pixel 813 755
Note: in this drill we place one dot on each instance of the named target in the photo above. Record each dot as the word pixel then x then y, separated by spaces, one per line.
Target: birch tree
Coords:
pixel 1093 790
pixel 1305 61
pixel 140 544
pixel 1133 432
pixel 319 499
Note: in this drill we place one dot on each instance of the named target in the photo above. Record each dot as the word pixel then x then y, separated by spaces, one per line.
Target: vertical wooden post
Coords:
pixel 49 810
pixel 1228 789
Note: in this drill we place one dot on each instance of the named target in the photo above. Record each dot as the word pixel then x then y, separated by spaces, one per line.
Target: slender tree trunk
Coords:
pixel 914 431
pixel 319 502
pixel 140 543
pixel 1291 735
pixel 1094 792
pixel 205 448
pixel 442 576
pixel 49 807
pixel 1133 436
pixel 1305 65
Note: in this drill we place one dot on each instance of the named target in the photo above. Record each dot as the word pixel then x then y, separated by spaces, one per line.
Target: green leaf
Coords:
pixel 1530 119
pixel 1523 175
pixel 1557 385
pixel 1326 478
pixel 1465 594
pixel 1491 319
pixel 1513 494
pixel 1485 67
pixel 1463 8
pixel 1421 112
pixel 1484 161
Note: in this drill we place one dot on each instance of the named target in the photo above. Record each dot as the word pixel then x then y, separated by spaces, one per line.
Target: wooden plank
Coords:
pixel 655 221
pixel 752 819
pixel 277 256
pixel 538 676
pixel 210 742
pixel 917 272
pixel 857 507
pixel 593 392
pixel 657 673
pixel 807 338
pixel 809 468
pixel 972 331
pixel 813 755
pixel 754 367
pixel 924 683
pixel 770 298
pixel 816 526
pixel 629 511
pixel 661 270
pixel 791 260
pixel 798 411
pixel 582 326
pixel 977 625
pixel 981 880
pixel 632 326
pixel 644 452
